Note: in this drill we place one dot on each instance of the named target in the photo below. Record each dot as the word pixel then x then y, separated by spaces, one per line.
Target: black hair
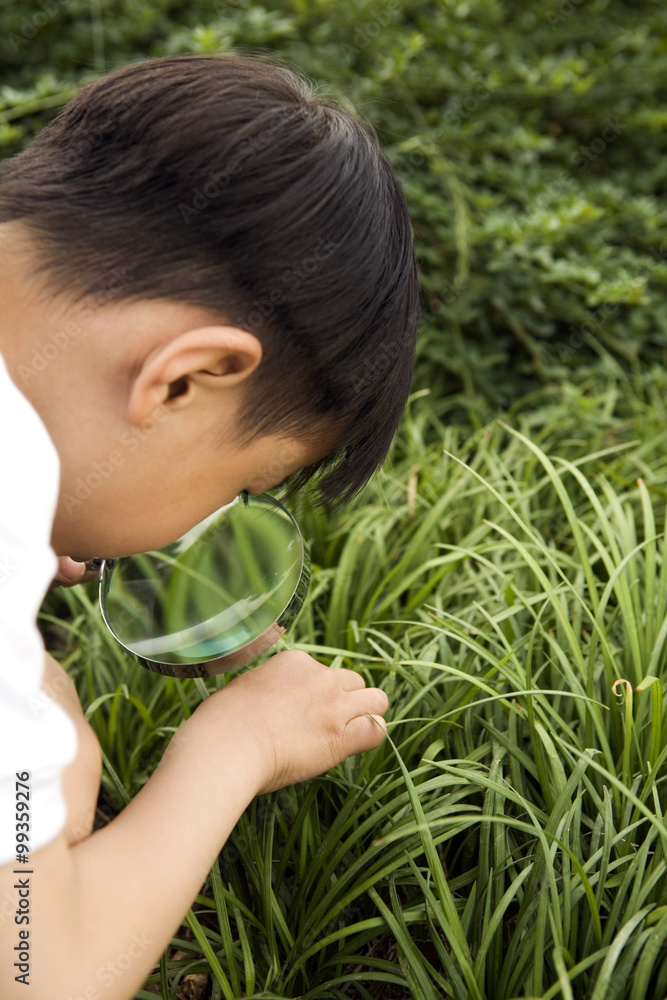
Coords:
pixel 225 182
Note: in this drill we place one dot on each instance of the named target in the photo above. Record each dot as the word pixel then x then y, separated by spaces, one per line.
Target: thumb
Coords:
pixel 365 732
pixel 69 572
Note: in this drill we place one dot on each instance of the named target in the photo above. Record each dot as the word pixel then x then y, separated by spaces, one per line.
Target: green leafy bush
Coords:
pixel 530 140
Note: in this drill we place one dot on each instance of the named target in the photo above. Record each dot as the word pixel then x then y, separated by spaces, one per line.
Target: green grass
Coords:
pixel 509 839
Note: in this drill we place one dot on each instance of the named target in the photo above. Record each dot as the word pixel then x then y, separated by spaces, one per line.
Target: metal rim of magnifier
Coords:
pixel 237 657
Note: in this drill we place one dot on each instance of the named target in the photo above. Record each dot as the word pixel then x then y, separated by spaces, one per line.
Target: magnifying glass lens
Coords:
pixel 216 598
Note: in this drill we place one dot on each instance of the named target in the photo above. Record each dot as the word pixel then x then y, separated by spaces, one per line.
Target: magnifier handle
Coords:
pixel 94 565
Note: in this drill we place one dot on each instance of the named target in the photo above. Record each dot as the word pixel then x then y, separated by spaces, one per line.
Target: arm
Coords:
pixel 81 779
pixel 124 890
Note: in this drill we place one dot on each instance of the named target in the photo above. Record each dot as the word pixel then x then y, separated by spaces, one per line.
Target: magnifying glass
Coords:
pixel 216 598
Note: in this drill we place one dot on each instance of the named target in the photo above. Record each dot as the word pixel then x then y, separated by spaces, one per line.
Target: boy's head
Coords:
pixel 209 286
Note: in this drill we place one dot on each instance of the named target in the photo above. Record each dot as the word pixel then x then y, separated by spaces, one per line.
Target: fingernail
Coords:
pixel 71 567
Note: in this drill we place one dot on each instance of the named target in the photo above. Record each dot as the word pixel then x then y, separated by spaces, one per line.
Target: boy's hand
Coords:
pixel 71 572
pixel 299 717
pixel 98 896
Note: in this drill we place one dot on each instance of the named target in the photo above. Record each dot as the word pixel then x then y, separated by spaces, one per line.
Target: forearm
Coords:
pixel 103 911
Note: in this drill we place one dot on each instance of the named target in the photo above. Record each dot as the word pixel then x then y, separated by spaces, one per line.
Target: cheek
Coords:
pixel 276 465
pixel 257 483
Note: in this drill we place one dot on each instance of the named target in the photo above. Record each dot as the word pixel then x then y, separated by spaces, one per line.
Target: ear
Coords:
pixel 193 363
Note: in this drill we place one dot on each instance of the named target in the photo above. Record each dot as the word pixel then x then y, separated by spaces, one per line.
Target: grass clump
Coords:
pixel 508 589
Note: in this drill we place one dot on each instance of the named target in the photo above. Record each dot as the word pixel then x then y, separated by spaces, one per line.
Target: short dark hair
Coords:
pixel 225 182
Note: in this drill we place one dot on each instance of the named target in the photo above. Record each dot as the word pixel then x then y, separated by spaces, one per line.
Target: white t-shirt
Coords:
pixel 36 734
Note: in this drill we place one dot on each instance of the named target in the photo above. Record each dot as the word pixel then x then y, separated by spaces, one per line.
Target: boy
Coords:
pixel 208 285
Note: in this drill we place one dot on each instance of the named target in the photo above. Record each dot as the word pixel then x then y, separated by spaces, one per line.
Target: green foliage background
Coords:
pixel 530 138
pixel 509 591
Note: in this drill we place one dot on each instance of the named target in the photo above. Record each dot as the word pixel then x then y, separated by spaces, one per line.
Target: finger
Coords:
pixel 365 732
pixel 373 700
pixel 92 573
pixel 70 571
pixel 350 680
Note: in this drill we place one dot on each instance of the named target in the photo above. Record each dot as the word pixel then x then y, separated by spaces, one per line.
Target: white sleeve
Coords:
pixel 36 734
